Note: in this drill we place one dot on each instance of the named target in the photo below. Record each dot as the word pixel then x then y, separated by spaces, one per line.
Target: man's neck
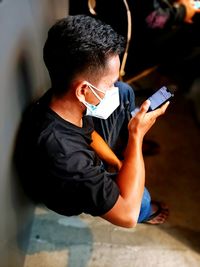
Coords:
pixel 68 109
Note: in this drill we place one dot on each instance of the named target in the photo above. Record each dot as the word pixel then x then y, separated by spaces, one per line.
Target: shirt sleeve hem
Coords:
pixel 108 206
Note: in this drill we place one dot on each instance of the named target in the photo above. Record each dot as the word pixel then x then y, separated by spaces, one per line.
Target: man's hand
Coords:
pixel 143 120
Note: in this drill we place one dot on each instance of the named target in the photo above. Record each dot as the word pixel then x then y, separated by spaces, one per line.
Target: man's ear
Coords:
pixel 81 91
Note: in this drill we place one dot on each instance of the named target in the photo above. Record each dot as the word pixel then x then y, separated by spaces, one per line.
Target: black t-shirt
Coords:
pixel 60 168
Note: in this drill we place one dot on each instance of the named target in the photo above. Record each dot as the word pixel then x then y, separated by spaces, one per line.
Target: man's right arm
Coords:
pixel 131 177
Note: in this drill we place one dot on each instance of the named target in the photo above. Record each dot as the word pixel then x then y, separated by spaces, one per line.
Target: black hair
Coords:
pixel 78 44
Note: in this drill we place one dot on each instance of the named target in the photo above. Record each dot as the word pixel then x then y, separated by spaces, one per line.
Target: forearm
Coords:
pixel 131 178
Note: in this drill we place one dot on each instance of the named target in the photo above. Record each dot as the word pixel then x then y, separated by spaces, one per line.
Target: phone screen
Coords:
pixel 159 97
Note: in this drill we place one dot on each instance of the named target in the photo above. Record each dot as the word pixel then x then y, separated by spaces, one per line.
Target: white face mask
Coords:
pixel 106 106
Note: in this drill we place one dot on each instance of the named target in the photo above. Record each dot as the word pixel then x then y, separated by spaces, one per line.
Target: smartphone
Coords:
pixel 197 4
pixel 160 97
pixel 157 99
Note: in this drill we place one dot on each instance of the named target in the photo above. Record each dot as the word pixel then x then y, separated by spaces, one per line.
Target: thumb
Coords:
pixel 142 110
pixel 145 106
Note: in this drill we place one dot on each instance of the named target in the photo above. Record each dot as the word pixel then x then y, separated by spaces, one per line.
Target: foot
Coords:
pixel 160 213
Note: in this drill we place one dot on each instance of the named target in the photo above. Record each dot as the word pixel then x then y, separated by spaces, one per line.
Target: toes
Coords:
pixel 162 216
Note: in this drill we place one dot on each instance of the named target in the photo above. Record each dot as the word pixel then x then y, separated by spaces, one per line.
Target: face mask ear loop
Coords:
pixel 91 108
pixel 97 96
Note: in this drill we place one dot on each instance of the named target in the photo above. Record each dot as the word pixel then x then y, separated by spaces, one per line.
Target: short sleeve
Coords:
pixel 99 195
pixel 84 187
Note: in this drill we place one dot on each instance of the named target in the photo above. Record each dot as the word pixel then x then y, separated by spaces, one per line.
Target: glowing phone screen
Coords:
pixel 159 97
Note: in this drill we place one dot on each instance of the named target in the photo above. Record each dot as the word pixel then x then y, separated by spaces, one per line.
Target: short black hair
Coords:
pixel 78 44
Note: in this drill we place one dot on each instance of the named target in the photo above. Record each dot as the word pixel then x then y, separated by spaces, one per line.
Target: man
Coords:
pixel 64 163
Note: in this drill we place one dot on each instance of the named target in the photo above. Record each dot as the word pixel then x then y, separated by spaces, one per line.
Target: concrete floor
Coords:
pixel 172 176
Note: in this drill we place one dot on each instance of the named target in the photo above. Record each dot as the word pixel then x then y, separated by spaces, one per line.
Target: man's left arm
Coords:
pixel 104 151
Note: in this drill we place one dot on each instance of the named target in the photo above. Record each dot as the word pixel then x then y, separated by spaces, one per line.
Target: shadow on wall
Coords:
pixel 24 79
pixel 23 207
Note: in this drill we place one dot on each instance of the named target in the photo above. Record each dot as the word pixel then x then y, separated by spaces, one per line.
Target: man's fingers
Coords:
pixel 164 107
pixel 145 106
pixel 161 110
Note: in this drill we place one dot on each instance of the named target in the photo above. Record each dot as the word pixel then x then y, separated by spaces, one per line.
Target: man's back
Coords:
pixel 58 165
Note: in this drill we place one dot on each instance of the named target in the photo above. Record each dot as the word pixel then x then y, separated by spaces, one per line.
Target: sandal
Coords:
pixel 160 215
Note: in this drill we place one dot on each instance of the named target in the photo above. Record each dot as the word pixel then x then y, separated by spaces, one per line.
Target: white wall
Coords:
pixel 23 29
